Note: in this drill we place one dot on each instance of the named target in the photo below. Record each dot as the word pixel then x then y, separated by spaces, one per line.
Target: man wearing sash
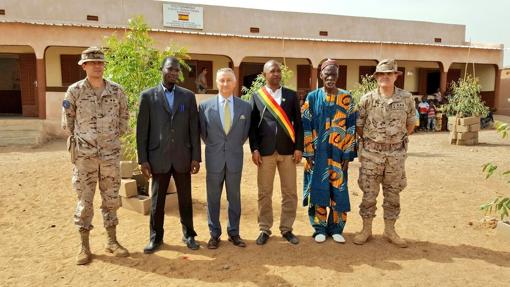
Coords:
pixel 329 122
pixel 276 141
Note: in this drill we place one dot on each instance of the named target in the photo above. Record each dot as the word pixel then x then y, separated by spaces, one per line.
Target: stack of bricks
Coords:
pixel 130 199
pixel 464 131
pixel 135 193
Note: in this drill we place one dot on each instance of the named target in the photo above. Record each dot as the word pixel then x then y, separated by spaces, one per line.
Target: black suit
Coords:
pixel 262 132
pixel 169 139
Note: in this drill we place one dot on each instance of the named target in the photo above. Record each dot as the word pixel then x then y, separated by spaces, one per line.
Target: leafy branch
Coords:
pixel 368 84
pixel 134 63
pixel 501 204
pixel 466 100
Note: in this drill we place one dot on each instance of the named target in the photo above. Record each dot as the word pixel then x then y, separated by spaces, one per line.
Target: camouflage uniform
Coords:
pixel 96 125
pixel 383 150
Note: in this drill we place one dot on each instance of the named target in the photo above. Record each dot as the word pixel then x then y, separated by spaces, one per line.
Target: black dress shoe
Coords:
pixel 237 241
pixel 191 243
pixel 262 239
pixel 213 243
pixel 290 237
pixel 152 247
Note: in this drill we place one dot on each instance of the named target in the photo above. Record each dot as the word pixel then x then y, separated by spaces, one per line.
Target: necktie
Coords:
pixel 227 120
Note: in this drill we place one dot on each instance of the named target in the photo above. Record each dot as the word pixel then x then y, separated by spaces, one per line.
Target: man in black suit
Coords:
pixel 276 141
pixel 168 143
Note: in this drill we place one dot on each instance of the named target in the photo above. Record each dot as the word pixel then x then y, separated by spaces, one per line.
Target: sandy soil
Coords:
pixel 440 219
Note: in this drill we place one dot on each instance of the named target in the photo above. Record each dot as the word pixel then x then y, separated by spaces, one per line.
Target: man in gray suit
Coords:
pixel 224 127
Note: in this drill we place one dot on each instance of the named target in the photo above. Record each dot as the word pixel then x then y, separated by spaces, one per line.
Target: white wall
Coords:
pixel 486 74
pixel 53 70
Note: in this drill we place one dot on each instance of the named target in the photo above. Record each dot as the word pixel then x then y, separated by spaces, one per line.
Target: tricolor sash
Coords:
pixel 278 113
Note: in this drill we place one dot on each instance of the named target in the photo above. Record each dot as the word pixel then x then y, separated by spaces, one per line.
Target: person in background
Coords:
pixel 201 82
pixel 423 108
pixel 431 120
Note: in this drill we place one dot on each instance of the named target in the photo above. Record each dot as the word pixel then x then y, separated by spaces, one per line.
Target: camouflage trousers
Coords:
pixel 87 172
pixel 386 168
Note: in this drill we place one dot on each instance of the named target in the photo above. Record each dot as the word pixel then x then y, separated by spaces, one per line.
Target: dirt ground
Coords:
pixel 440 219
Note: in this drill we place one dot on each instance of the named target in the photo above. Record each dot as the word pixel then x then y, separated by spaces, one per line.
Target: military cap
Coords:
pixel 387 66
pixel 92 54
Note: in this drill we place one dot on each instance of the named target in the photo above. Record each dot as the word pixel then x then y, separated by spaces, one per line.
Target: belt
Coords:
pixel 372 145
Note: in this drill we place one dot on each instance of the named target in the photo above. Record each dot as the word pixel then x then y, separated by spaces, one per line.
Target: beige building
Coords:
pixel 42 39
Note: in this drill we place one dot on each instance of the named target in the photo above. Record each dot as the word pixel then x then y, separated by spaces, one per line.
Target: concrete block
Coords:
pixel 126 169
pixel 503 230
pixel 469 121
pixel 467 142
pixel 462 129
pixel 470 128
pixel 128 188
pixel 474 127
pixel 451 120
pixel 139 203
pixel 171 187
pixel 467 135
pixel 142 184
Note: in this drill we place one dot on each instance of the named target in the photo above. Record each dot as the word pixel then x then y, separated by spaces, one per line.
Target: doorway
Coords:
pixel 249 72
pixel 429 81
pixel 196 67
pixel 10 89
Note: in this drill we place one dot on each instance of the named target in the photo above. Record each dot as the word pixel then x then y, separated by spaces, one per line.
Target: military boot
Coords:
pixel 112 246
pixel 391 235
pixel 85 256
pixel 365 233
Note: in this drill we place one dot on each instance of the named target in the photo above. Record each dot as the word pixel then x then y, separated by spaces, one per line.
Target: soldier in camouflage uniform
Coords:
pixel 95 113
pixel 386 118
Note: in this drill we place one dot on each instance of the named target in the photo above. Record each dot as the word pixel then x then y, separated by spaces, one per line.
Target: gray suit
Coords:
pixel 224 160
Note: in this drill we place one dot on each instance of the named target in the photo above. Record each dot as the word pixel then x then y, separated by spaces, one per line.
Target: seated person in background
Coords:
pixel 488 120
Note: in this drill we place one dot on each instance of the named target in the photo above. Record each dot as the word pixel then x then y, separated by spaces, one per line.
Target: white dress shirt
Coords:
pixel 277 94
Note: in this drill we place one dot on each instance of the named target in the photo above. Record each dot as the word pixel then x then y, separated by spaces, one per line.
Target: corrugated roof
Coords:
pixel 473 46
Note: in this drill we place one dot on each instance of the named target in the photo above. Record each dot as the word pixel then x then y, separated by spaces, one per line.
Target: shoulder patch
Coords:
pixel 66 104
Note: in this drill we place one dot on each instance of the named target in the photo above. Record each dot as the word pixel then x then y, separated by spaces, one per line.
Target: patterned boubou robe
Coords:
pixel 329 130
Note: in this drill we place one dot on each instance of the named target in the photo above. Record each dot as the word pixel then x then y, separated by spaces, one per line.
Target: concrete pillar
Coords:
pixel 41 87
pixel 497 91
pixel 313 78
pixel 237 92
pixel 442 82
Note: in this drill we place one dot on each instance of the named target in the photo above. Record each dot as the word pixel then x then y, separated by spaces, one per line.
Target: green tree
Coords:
pixel 135 64
pixel 368 84
pixel 465 100
pixel 500 204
